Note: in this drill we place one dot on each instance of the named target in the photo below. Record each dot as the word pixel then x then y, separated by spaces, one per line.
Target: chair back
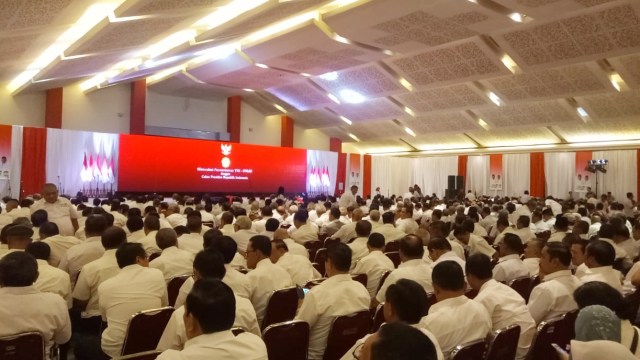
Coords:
pixel 147 355
pixel 282 306
pixel 378 318
pixel 522 286
pixel 287 340
pixel 382 279
pixel 535 281
pixel 312 248
pixel 344 332
pixel 330 242
pixel 570 323
pixel 392 246
pixel 237 330
pixel 320 259
pixel 314 282
pixel 361 278
pixel 470 351
pixel 549 332
pixel 394 256
pixel 503 343
pixel 431 299
pixel 173 288
pixel 471 293
pixel 633 300
pixel 154 256
pixel 145 329
pixel 28 345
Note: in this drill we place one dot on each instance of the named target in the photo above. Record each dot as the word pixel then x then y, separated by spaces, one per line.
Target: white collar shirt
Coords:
pixel 149 243
pixel 295 248
pixel 479 230
pixel 408 226
pixel 630 247
pixel 347 199
pixel 456 246
pixel 594 228
pixel 620 252
pixel 456 321
pixel 220 345
pixel 331 227
pixel 480 245
pixel 193 243
pixel 264 279
pixel 237 281
pixel 175 335
pixel 390 232
pixel 508 268
pixel 553 296
pixel 24 309
pixel 93 274
pixel 227 229
pixel 582 269
pixel 176 220
pixel 416 270
pixel 61 212
pixel 605 274
pixel 358 250
pixel 305 234
pixel 488 222
pixel 506 307
pixel 134 289
pixel 59 246
pixel 557 236
pixel 346 232
pixel 532 265
pixel 374 265
pixel 322 219
pixel 119 220
pixel 541 226
pixel 260 225
pixel 449 256
pixel 337 296
pixel 299 268
pixel 268 234
pixel 242 238
pixel 173 262
pixel 53 280
pixel 80 255
pixel 136 236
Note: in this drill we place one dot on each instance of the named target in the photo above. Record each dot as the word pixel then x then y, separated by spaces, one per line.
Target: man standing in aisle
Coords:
pixel 60 210
pixel 348 198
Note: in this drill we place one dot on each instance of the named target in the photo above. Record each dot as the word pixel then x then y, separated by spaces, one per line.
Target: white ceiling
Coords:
pixel 428 65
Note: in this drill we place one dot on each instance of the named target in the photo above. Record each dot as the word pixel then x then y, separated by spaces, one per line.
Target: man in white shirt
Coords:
pixel 578 249
pixel 59 210
pixel 237 281
pixel 532 254
pixel 348 231
pixel 192 242
pixel 348 198
pixel 208 264
pixel 440 250
pixel 454 319
pixel 173 261
pixel 554 295
pixel 265 277
pixel 294 247
pixel 50 279
pixel 299 267
pixel 629 205
pixel 388 229
pixel 305 232
pixel 561 227
pixel 374 264
pixel 135 288
pixel 539 225
pixel 23 308
pixel 87 251
pixel 412 267
pixel 596 223
pixel 226 223
pixel 151 227
pixel 208 317
pixel 135 225
pixel 173 216
pixel 359 245
pixel 406 224
pixel 243 233
pixel 337 296
pixel 505 306
pixel 599 258
pixel 334 223
pixel 509 266
pixel 267 213
pixel 473 243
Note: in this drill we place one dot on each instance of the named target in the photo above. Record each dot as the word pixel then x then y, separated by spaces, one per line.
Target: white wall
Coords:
pixel 105 110
pixel 186 113
pixel 25 109
pixel 313 139
pixel 257 129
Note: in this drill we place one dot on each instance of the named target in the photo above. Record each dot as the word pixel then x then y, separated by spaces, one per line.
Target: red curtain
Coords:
pixel 341 174
pixel 366 177
pixel 34 153
pixel 462 168
pixel 536 173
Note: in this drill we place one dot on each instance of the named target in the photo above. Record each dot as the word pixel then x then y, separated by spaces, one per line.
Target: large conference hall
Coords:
pixel 319 179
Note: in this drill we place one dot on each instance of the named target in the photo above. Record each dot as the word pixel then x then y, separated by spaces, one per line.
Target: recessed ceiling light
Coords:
pixel 409 111
pixel 508 62
pixel 495 99
pixel 352 96
pixel 582 112
pixel 263 66
pixel 407 85
pixel 305 74
pixel 280 108
pixel 334 98
pixel 330 76
pixel 346 120
pixel 354 137
pixel 248 90
pixel 409 131
pixel 517 17
pixel 483 124
pixel 617 81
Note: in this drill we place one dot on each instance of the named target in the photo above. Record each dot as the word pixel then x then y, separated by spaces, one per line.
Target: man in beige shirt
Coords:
pixel 59 210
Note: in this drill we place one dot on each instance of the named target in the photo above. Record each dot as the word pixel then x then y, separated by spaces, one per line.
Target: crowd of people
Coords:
pixel 77 271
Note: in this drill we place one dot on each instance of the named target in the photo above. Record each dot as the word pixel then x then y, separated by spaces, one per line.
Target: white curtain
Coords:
pixel 516 169
pixel 322 167
pixel 11 187
pixel 559 172
pixel 393 175
pixel 478 174
pixel 79 160
pixel 430 173
pixel 621 176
